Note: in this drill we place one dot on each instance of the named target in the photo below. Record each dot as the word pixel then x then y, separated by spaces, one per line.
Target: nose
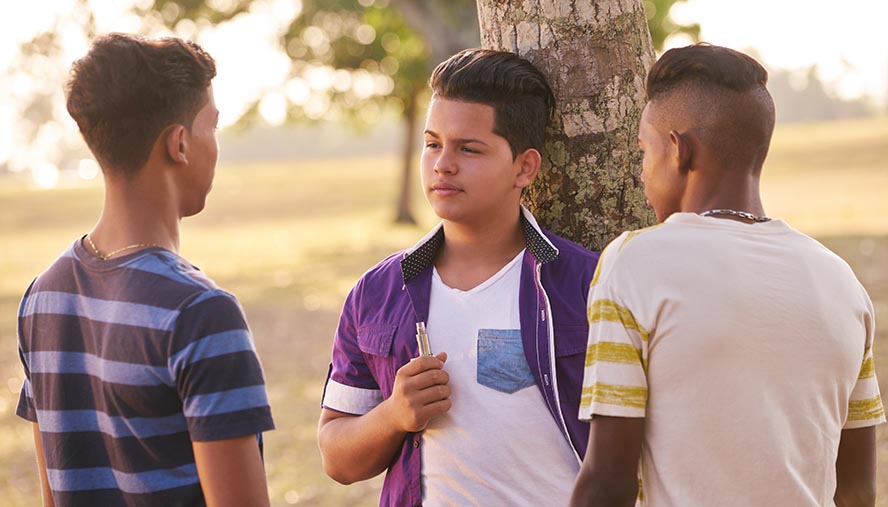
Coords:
pixel 445 164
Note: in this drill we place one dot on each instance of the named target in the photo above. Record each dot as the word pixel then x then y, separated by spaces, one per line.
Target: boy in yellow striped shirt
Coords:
pixel 730 356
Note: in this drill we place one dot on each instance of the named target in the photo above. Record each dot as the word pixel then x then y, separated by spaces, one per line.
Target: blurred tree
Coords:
pixel 661 24
pixel 596 55
pixel 371 54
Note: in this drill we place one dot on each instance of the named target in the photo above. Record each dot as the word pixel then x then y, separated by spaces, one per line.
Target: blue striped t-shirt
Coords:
pixel 127 361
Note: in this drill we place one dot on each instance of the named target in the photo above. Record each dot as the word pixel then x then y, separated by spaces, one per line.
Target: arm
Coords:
pixel 856 468
pixel 41 468
pixel 231 472
pixel 609 474
pixel 358 447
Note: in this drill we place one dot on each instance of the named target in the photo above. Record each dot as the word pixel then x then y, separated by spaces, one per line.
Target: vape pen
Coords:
pixel 422 340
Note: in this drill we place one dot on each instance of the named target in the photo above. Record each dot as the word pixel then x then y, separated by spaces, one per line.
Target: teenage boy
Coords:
pixel 502 301
pixel 141 377
pixel 728 352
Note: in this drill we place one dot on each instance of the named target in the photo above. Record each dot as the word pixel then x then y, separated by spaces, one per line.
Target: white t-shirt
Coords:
pixel 746 348
pixel 498 444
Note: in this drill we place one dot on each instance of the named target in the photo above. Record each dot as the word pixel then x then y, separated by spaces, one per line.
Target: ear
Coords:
pixel 682 150
pixel 528 167
pixel 176 144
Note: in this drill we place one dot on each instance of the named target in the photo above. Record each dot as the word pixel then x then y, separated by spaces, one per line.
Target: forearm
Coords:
pixel 591 493
pixel 41 468
pixel 609 474
pixel 856 468
pixel 356 448
pixel 231 472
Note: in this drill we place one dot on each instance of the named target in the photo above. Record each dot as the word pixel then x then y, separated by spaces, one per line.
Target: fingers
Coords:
pixel 432 394
pixel 409 386
pixel 420 393
pixel 422 363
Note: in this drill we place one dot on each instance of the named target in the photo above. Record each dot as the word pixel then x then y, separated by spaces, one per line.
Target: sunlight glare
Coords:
pixel 88 169
pixel 45 175
pixel 273 108
pixel 298 91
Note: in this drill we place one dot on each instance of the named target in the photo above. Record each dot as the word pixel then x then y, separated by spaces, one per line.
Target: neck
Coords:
pixel 739 193
pixel 136 212
pixel 492 241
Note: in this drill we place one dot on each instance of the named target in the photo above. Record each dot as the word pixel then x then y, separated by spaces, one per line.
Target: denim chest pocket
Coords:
pixel 502 364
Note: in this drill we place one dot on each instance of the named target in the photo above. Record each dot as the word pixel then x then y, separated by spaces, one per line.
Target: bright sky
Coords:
pixel 845 39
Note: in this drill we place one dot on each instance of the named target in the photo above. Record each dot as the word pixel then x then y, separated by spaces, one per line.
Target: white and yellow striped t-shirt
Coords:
pixel 746 347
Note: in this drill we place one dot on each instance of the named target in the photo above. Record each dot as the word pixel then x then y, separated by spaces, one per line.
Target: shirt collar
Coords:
pixel 421 255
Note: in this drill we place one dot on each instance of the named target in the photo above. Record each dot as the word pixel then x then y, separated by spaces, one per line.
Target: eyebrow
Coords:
pixel 457 141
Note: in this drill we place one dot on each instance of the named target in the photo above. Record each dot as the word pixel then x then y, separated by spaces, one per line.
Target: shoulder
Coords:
pixel 572 268
pixel 639 238
pixel 571 253
pixel 626 251
pixel 385 277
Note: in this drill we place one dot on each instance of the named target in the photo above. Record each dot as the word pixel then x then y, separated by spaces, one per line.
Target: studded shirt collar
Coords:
pixel 422 254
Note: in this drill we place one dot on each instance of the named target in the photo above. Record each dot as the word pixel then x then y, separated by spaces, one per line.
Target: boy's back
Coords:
pixel 123 360
pixel 752 339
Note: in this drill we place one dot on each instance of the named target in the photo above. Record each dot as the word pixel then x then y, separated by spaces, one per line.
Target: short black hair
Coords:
pixel 704 63
pixel 517 91
pixel 128 89
pixel 721 94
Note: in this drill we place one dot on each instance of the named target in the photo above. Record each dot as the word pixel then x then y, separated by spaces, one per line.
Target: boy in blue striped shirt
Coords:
pixel 141 379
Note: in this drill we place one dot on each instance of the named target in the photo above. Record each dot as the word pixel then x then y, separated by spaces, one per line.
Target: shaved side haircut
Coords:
pixel 720 96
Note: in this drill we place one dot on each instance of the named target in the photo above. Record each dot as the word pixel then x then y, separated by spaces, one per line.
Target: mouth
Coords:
pixel 442 188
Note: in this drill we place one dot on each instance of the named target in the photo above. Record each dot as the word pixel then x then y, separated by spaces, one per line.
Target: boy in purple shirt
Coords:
pixel 504 305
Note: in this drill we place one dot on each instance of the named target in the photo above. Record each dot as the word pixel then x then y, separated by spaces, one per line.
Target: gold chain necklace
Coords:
pixel 108 255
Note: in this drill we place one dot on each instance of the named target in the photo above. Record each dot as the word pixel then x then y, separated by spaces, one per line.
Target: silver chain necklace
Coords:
pixel 735 213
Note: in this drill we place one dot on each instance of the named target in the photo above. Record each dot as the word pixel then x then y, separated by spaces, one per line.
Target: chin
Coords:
pixel 448 213
pixel 193 210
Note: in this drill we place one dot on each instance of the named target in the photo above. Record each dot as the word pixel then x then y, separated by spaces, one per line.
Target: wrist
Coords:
pixel 388 415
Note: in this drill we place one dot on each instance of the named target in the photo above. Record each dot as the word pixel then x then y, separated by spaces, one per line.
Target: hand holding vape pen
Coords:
pixel 422 340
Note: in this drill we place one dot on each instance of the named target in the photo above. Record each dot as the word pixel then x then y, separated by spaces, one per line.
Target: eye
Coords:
pixel 469 150
pixel 431 144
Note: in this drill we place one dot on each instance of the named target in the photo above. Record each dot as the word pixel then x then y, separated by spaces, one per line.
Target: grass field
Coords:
pixel 290 240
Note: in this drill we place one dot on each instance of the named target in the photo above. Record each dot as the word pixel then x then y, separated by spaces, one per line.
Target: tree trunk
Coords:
pixel 404 216
pixel 596 54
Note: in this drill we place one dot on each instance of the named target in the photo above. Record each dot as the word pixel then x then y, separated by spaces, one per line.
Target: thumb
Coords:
pixel 442 356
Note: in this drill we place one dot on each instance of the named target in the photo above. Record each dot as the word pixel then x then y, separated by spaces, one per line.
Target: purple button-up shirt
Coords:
pixel 376 336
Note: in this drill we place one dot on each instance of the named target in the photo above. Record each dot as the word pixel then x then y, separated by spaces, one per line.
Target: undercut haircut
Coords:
pixel 517 91
pixel 719 93
pixel 128 89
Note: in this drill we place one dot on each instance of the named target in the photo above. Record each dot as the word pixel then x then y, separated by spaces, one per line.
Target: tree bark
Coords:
pixel 596 54
pixel 404 215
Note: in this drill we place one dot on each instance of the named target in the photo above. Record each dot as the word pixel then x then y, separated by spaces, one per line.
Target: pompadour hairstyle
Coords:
pixel 128 89
pixel 516 90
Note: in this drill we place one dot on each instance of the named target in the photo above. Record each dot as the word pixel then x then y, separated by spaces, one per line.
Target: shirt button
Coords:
pixel 416 444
